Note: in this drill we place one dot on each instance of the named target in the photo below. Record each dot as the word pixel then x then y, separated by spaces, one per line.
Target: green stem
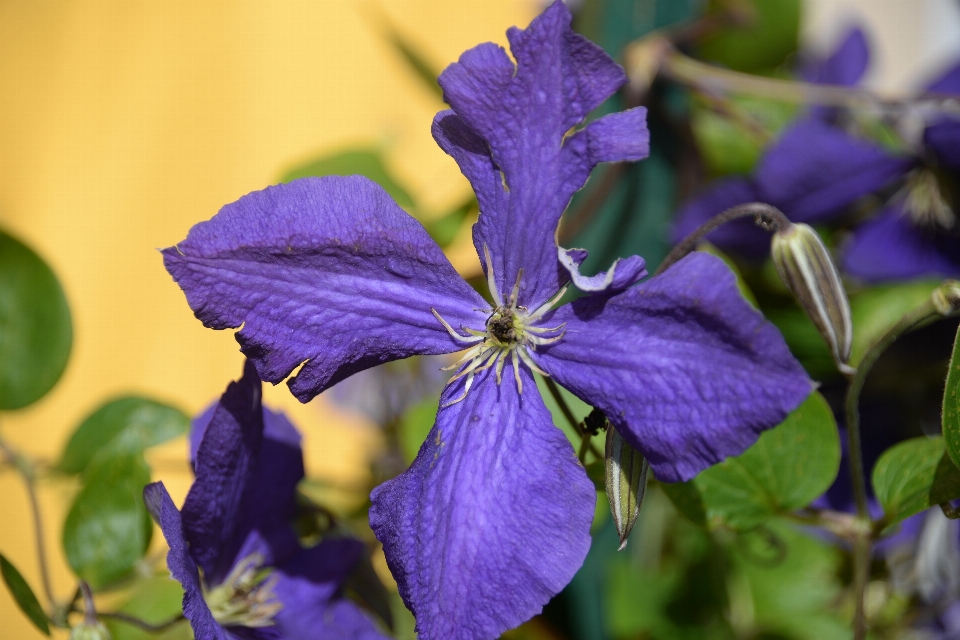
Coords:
pixel 141 624
pixel 765 215
pixel 862 545
pixel 568 414
pixel 28 473
pixel 713 80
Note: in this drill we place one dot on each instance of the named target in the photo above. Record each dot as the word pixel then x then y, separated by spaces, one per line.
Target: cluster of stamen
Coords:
pixel 926 203
pixel 509 333
pixel 245 598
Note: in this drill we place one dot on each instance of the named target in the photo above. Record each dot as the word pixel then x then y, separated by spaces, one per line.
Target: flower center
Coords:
pixel 926 203
pixel 510 331
pixel 245 598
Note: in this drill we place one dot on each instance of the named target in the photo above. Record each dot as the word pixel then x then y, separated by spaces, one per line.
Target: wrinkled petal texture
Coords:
pixel 308 587
pixel 182 566
pixel 890 248
pixel 325 270
pixel 244 483
pixel 682 366
pixel 493 517
pixel 741 236
pixel 815 170
pixel 511 132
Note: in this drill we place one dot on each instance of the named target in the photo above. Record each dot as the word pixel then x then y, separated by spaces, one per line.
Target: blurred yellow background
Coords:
pixel 122 123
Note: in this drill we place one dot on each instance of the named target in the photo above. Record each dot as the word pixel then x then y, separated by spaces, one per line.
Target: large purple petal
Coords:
pixel 182 566
pixel 325 270
pixel 308 587
pixel 947 82
pixel 741 236
pixel 493 517
pixel 521 158
pixel 244 481
pixel 815 170
pixel 685 369
pixel 943 138
pixel 890 247
pixel 846 65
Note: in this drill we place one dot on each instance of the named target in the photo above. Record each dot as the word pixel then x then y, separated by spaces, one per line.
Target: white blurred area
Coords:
pixel 911 40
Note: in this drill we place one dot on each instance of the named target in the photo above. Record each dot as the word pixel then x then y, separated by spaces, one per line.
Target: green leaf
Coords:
pixel 415 425
pixel 23 595
pixel 444 229
pixel 687 499
pixel 876 310
pixel 795 590
pixel 108 529
pixel 913 476
pixel 35 328
pixel 123 426
pixel 788 467
pixel 951 405
pixel 365 162
pixel 733 145
pixel 766 35
pixel 417 62
pixel 155 600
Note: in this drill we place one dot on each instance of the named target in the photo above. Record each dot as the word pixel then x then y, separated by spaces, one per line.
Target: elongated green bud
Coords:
pixel 808 271
pixel 626 480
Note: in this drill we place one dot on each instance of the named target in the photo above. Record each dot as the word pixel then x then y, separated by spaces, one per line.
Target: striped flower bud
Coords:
pixel 808 271
pixel 90 630
pixel 626 480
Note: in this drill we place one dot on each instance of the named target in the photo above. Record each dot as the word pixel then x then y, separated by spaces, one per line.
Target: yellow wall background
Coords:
pixel 122 123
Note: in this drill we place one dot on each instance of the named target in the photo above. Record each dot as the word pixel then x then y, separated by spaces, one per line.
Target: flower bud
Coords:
pixel 808 271
pixel 946 298
pixel 626 482
pixel 88 630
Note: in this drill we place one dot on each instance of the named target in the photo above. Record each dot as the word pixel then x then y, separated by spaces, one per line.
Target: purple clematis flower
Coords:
pixel 815 171
pixel 244 574
pixel 493 517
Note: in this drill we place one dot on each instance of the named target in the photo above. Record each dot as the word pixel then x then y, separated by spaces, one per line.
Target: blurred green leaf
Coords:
pixel 365 162
pixel 154 600
pixel 35 328
pixel 415 425
pixel 415 59
pixel 951 405
pixel 767 35
pixel 730 145
pixel 876 310
pixel 913 476
pixel 789 467
pixel 805 342
pixel 793 584
pixel 126 425
pixel 444 229
pixel 23 595
pixel 687 499
pixel 108 529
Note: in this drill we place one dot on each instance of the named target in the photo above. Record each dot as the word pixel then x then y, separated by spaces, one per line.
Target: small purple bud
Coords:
pixel 626 481
pixel 808 271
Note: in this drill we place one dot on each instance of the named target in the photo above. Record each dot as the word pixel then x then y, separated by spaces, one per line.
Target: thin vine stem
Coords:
pixel 28 473
pixel 568 414
pixel 141 624
pixel 712 79
pixel 856 380
pixel 765 215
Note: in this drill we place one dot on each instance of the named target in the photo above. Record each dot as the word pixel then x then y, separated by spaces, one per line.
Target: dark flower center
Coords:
pixel 501 325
